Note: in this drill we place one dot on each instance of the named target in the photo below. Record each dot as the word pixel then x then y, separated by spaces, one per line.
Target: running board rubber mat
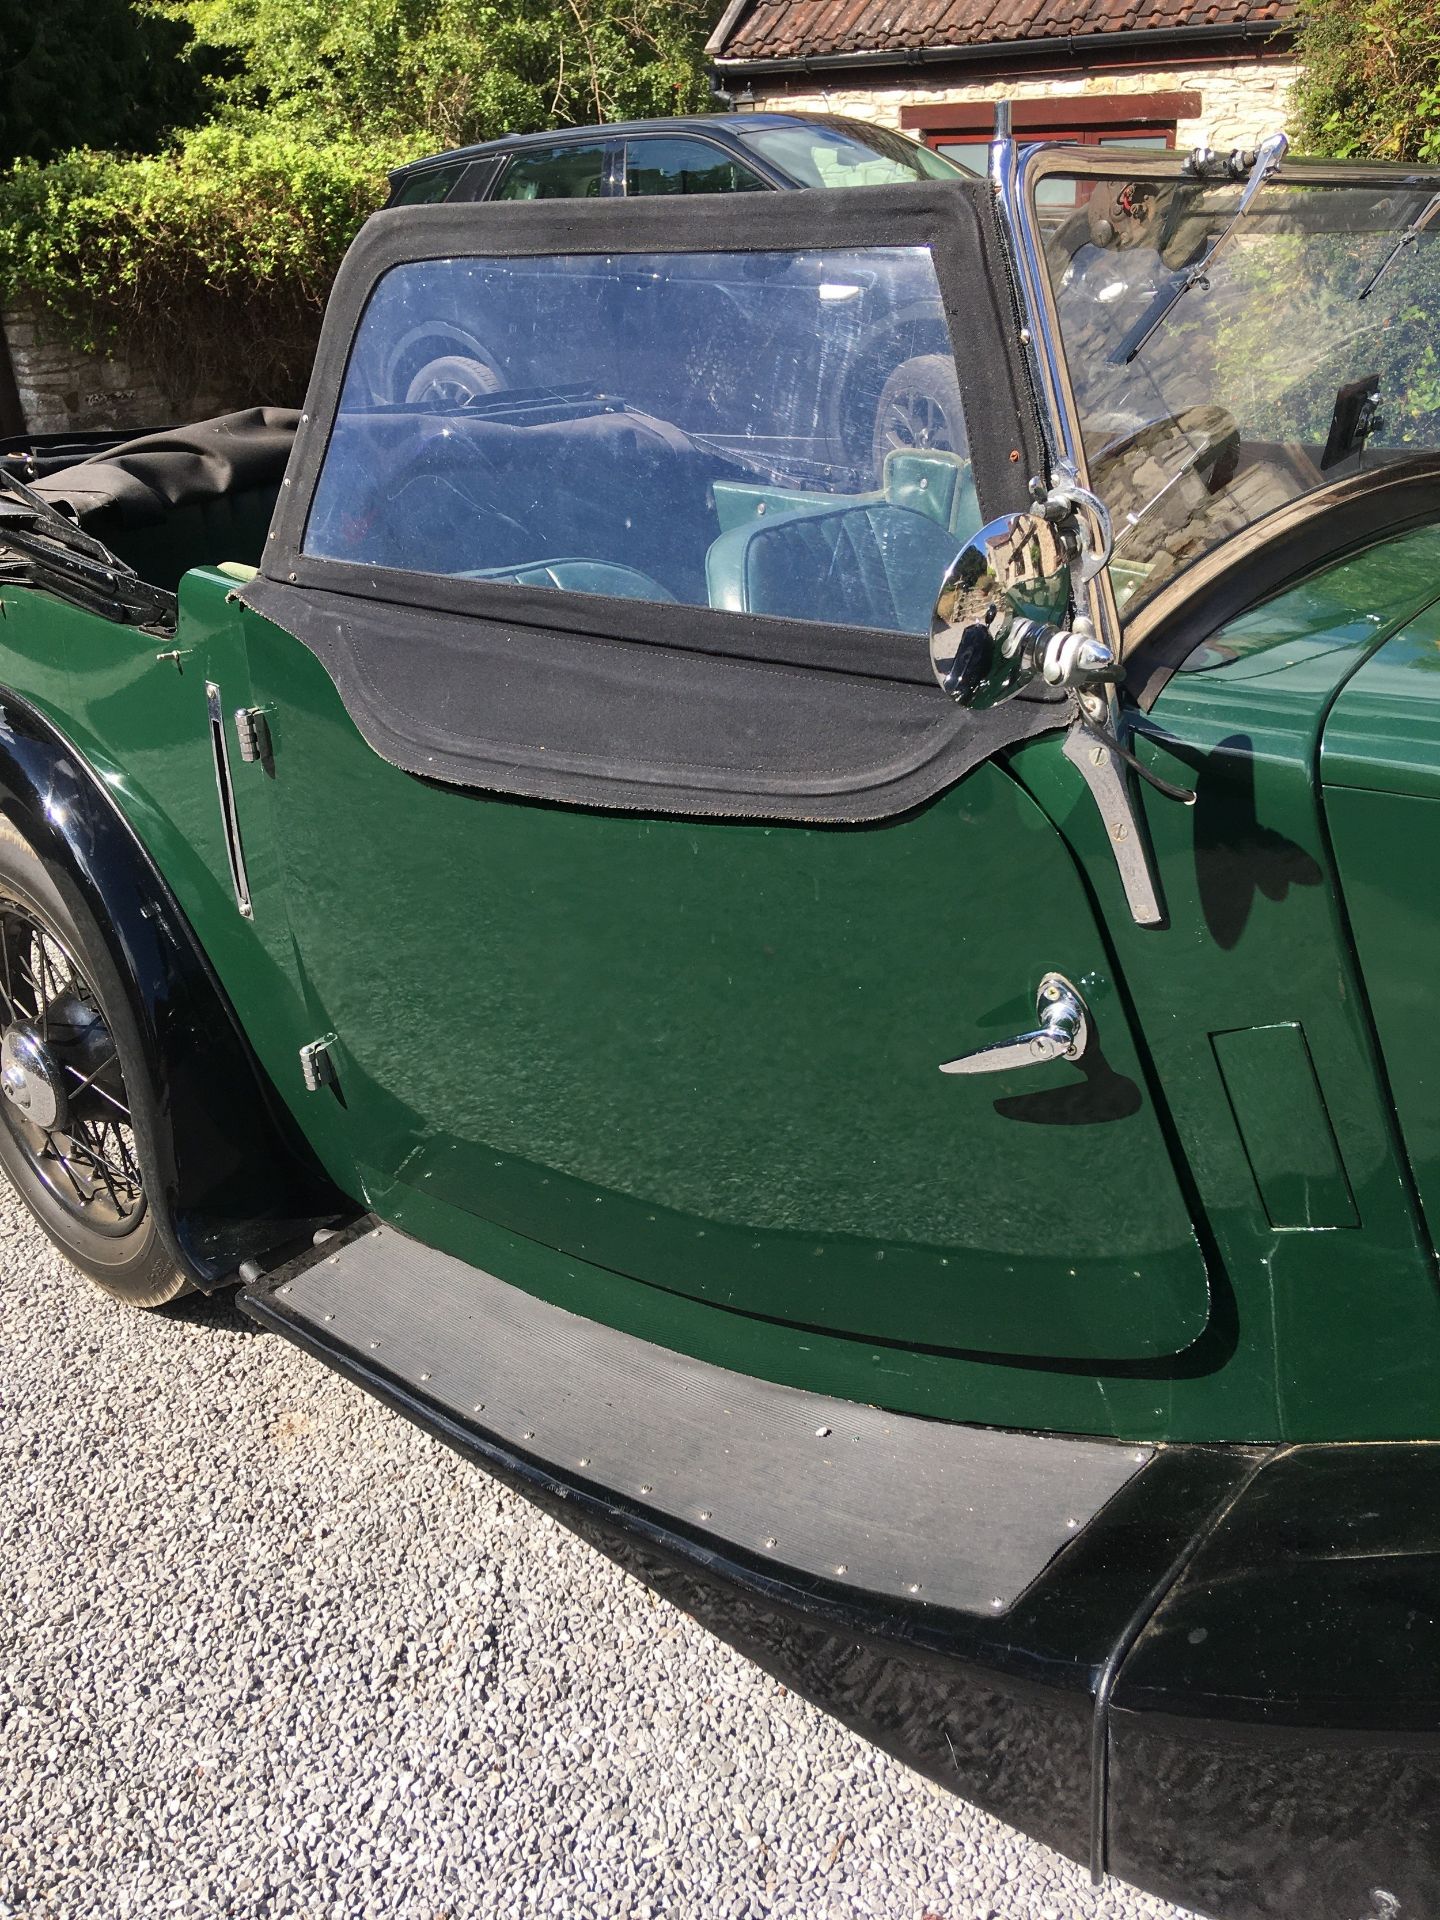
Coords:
pixel 959 1517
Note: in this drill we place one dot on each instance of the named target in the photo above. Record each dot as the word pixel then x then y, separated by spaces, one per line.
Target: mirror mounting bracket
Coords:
pixel 1003 617
pixel 1100 755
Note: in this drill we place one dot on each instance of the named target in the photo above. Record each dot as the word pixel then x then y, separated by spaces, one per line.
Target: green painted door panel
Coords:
pixel 705 1055
pixel 1381 771
pixel 1329 1331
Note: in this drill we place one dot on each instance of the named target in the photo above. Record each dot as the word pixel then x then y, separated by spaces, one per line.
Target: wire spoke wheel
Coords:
pixel 64 1101
pixel 919 411
pixel 915 420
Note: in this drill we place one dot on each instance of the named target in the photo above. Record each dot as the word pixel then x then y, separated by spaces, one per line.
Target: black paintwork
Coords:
pixel 1289 1690
pixel 229 1178
pixel 1244 1604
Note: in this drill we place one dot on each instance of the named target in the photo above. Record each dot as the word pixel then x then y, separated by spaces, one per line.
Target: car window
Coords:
pixel 817 155
pixel 766 433
pixel 425 189
pixel 685 166
pixel 554 173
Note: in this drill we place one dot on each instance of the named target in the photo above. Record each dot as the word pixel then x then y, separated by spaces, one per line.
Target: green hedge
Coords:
pixel 212 262
pixel 1369 84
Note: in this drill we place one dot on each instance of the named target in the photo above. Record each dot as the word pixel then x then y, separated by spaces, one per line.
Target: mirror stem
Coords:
pixel 1185 795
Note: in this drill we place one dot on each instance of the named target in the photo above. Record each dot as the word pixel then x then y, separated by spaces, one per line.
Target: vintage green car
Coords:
pixel 850 1014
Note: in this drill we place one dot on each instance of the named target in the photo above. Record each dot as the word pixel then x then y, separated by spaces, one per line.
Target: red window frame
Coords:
pixel 1087 120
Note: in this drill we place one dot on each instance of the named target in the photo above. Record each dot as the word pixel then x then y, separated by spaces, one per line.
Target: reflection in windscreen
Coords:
pixel 854 155
pixel 773 433
pixel 1288 365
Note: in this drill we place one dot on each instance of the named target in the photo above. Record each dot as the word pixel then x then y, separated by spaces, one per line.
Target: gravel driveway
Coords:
pixel 266 1650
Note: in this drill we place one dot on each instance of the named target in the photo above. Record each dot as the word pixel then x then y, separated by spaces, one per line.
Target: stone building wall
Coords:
pixel 1242 101
pixel 63 391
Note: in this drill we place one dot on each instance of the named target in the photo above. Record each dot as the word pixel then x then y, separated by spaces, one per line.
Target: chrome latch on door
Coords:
pixel 1062 1032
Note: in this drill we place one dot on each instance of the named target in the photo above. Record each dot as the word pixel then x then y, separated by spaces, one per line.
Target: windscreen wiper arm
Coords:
pixel 1268 156
pixel 1409 238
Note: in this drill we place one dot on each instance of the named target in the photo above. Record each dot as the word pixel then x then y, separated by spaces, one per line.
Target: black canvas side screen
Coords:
pixel 624 504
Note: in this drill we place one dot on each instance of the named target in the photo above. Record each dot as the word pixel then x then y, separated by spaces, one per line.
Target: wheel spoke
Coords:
pixel 86 1083
pixel 5 961
pixel 90 1169
pixel 80 1193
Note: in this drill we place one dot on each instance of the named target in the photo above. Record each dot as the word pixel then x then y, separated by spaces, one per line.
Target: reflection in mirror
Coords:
pixel 1006 591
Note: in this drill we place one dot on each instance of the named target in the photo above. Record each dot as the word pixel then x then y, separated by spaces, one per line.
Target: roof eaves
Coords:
pixel 725 26
pixel 1261 24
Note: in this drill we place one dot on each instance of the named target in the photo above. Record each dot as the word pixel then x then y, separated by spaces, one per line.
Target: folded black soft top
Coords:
pixel 141 482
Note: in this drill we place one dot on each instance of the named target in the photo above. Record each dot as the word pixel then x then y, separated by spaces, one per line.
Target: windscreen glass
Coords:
pixel 1215 386
pixel 817 155
pixel 766 433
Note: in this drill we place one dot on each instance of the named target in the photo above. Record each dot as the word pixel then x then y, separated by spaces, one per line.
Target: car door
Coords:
pixel 642 879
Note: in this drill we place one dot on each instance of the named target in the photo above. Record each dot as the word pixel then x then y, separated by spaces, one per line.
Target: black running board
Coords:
pixel 903 1509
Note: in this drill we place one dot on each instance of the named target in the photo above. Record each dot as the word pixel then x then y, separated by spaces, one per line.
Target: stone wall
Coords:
pixel 1242 101
pixel 62 390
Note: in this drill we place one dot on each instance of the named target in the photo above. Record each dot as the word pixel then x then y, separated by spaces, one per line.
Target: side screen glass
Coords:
pixel 766 433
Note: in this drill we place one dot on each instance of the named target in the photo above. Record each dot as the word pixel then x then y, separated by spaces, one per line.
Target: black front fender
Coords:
pixel 227 1173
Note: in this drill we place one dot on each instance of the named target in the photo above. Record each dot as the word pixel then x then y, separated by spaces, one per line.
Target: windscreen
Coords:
pixel 1215 386
pixel 853 155
pixel 765 433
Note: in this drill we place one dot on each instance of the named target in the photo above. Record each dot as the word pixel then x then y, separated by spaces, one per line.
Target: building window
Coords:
pixel 1143 121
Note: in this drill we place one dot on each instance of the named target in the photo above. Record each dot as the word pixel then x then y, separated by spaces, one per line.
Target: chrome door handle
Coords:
pixel 1062 1032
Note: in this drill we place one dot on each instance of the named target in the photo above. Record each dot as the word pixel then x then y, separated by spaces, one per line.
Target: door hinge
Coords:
pixel 252 732
pixel 317 1064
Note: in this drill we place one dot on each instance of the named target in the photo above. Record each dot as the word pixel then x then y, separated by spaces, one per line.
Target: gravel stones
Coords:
pixel 268 1651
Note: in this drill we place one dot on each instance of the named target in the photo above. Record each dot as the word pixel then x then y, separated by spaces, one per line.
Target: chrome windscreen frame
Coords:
pixel 1016 173
pixel 1012 169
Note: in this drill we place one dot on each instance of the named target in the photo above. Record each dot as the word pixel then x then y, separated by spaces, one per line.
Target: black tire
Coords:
pixel 64 991
pixel 919 408
pixel 452 379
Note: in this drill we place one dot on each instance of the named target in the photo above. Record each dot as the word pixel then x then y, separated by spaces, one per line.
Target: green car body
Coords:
pixel 675 1072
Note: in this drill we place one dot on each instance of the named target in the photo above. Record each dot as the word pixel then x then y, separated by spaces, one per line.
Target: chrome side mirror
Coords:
pixel 1000 614
pixel 1005 593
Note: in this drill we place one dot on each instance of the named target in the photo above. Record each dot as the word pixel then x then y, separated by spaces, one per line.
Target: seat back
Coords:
pixel 933 482
pixel 870 565
pixel 925 479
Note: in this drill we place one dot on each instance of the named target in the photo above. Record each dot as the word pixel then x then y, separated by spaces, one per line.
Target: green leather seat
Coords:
pixel 927 480
pixel 868 565
pixel 939 484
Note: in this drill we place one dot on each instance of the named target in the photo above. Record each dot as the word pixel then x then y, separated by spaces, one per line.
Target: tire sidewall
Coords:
pixel 138 1267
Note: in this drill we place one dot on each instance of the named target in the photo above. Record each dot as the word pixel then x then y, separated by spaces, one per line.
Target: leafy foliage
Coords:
pixel 212 261
pixel 454 70
pixel 1369 84
pixel 110 72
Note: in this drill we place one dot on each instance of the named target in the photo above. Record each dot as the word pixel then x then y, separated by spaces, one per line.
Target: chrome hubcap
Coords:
pixel 30 1079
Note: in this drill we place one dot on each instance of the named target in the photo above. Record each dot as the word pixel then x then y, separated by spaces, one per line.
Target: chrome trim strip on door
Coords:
pixel 229 819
